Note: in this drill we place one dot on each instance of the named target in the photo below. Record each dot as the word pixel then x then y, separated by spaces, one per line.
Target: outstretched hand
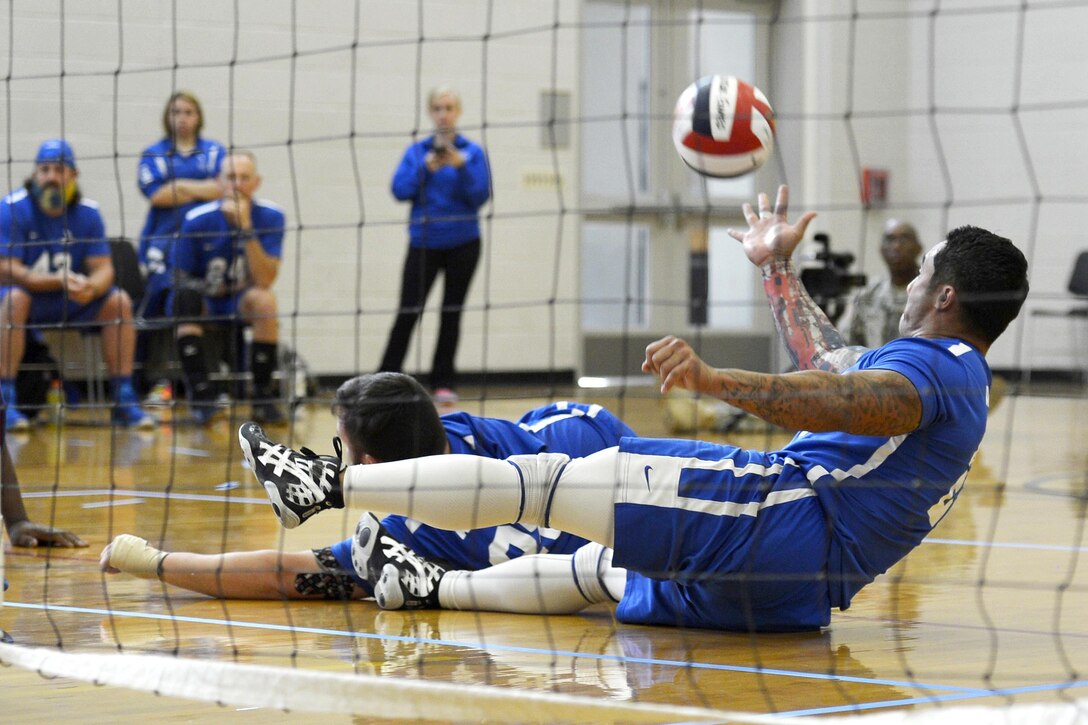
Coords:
pixel 28 533
pixel 676 365
pixel 769 235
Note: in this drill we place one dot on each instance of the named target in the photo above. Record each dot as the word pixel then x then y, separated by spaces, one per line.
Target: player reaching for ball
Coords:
pixel 711 535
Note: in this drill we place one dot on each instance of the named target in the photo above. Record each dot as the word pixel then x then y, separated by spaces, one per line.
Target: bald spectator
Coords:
pixel 877 308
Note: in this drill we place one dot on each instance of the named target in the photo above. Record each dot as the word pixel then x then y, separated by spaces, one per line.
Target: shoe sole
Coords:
pixel 387 590
pixel 288 518
pixel 363 542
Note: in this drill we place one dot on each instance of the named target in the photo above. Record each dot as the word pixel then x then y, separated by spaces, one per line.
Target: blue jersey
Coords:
pixel 773 540
pixel 160 164
pixel 51 244
pixel 576 429
pixel 209 248
pixel 444 203
pixel 883 495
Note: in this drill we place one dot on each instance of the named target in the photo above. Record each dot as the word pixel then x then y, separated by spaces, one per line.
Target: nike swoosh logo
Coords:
pixel 646 473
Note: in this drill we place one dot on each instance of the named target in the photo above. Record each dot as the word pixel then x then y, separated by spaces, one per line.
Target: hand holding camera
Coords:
pixel 443 153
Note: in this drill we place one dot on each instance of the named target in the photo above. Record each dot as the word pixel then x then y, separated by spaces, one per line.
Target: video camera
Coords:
pixel 830 283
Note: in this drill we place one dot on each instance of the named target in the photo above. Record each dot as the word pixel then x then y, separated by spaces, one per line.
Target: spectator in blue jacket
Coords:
pixel 447 179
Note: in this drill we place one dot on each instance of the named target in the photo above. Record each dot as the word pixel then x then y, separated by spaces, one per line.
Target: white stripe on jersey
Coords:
pixel 567 414
pixel 17 195
pixel 202 209
pixel 858 470
pixel 652 481
pixel 161 163
pixel 269 205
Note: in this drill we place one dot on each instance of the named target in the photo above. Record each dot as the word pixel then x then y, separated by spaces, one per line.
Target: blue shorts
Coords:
pixel 53 307
pixel 341 551
pixel 156 293
pixel 718 537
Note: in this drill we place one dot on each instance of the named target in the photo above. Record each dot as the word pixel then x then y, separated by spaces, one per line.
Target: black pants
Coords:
pixel 421 268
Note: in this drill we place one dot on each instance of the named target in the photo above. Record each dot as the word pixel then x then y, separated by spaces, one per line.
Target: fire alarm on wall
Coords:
pixel 874 187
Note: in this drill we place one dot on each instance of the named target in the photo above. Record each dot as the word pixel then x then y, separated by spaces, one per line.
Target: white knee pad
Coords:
pixel 592 565
pixel 539 473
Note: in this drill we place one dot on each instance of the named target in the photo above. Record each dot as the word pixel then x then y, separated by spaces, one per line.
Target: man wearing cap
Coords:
pixel 55 268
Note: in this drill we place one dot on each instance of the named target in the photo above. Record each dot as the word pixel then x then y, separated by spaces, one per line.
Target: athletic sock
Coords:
pixel 450 491
pixel 263 364
pixel 537 584
pixel 469 492
pixel 194 365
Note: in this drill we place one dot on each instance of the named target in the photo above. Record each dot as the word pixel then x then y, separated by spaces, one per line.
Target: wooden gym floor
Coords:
pixel 989 611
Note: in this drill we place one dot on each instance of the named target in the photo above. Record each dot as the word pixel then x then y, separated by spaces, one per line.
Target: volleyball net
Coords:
pixel 596 239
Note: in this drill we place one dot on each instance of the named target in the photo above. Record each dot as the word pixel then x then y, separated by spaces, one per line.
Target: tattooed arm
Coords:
pixel 863 402
pixel 811 340
pixel 769 242
pixel 868 402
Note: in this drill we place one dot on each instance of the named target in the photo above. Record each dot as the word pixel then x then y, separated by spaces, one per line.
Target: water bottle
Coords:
pixel 54 399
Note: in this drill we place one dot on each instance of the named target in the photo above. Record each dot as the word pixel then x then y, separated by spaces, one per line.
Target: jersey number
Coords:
pixel 218 273
pixel 61 262
pixel 940 509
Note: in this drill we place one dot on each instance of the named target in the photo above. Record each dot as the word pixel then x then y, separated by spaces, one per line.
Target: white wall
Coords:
pixel 344 111
pixel 931 98
pixel 350 109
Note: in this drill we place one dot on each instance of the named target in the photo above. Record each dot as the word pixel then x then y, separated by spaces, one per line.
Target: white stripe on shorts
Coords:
pixel 652 481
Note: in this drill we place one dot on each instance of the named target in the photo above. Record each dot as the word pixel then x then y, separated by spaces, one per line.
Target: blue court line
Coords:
pixel 953 697
pixel 963 691
pixel 1003 545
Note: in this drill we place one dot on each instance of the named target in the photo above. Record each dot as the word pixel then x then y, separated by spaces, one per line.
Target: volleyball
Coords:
pixel 723 127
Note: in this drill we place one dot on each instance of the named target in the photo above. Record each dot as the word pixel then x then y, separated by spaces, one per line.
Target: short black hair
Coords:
pixel 989 274
pixel 389 416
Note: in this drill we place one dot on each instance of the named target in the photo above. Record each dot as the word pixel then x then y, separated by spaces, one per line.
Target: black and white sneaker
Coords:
pixel 299 483
pixel 402 579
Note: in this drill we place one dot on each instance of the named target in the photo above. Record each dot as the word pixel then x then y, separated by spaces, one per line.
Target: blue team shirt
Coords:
pixel 210 249
pixel 51 244
pixel 576 429
pixel 883 495
pixel 444 203
pixel 755 540
pixel 159 164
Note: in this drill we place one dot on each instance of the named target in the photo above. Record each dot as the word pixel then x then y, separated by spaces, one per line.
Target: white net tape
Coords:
pixel 281 688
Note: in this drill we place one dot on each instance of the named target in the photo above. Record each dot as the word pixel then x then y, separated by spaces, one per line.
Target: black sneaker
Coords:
pixel 299 483
pixel 402 579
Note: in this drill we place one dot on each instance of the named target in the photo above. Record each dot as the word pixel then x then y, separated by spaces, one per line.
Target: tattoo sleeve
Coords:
pixel 811 340
pixel 867 402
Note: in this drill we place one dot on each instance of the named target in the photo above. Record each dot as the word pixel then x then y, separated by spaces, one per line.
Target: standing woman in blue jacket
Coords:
pixel 446 177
